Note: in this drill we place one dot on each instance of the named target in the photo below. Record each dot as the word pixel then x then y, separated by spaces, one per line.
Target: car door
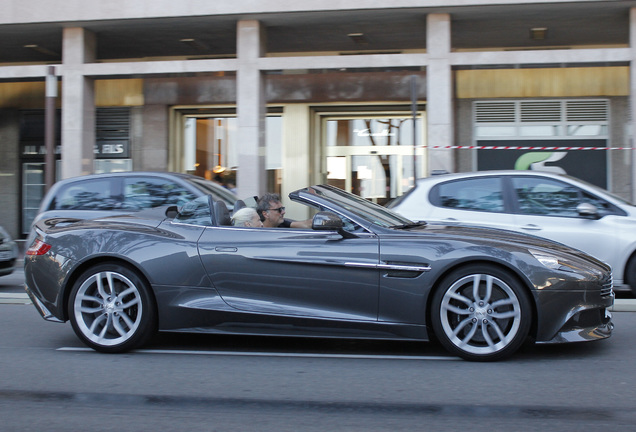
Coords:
pixel 297 272
pixel 475 201
pixel 548 208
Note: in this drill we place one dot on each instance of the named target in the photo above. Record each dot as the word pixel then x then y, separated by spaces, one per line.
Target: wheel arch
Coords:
pixel 503 267
pixel 80 269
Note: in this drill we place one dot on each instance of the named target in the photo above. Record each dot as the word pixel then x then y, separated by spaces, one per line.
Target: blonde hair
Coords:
pixel 243 216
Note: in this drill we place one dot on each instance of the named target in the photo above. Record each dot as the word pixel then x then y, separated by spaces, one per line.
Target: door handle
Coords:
pixel 531 227
pixel 225 249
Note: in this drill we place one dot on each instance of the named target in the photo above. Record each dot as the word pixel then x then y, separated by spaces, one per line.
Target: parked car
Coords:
pixel 360 271
pixel 99 195
pixel 553 206
pixel 8 253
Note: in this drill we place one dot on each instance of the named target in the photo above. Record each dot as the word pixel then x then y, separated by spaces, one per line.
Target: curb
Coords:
pixel 624 305
pixel 14 298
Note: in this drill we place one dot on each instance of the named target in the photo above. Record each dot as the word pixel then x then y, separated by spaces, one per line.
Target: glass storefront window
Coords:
pixel 495 131
pixel 373 157
pixel 587 130
pixel 33 185
pixel 539 130
pixel 211 147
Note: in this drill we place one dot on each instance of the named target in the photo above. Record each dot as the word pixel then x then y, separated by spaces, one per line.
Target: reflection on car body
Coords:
pixel 360 271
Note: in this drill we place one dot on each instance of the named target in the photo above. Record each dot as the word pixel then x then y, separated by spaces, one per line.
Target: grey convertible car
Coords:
pixel 361 271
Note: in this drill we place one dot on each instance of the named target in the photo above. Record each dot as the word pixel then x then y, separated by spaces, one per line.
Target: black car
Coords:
pixel 360 271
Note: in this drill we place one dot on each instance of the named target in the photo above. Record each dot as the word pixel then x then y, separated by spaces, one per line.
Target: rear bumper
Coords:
pixel 46 314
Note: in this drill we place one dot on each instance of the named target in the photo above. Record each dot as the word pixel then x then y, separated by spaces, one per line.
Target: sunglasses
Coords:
pixel 279 209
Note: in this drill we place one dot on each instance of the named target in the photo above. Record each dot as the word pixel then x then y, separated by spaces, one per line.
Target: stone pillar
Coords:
pixel 251 109
pixel 632 97
pixel 78 103
pixel 439 91
pixel 297 157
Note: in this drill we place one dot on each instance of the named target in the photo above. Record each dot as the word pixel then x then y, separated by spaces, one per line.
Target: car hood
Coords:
pixel 499 238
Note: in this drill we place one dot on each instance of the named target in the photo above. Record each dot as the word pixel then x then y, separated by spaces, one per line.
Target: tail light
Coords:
pixel 38 248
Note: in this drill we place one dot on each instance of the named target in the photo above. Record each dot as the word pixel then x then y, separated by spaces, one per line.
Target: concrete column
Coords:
pixel 632 97
pixel 296 156
pixel 251 109
pixel 439 90
pixel 78 103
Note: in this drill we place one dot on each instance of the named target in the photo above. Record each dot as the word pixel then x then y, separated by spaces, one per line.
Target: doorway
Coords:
pixel 376 157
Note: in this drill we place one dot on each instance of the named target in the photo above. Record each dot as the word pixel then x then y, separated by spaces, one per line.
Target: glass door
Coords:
pixel 374 157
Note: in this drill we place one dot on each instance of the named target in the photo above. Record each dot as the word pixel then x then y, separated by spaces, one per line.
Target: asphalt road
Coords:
pixel 50 381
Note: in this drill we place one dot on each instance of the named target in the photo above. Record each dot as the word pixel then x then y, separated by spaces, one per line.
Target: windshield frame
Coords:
pixel 358 207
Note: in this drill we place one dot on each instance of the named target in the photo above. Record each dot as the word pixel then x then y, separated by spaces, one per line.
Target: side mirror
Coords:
pixel 587 210
pixel 326 221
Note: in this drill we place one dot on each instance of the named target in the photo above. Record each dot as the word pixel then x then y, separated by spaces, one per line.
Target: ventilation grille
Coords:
pixel 579 111
pixel 544 111
pixel 574 111
pixel 495 112
pixel 112 123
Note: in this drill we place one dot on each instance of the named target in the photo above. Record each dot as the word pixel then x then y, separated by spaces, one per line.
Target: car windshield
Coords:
pixel 361 207
pixel 601 191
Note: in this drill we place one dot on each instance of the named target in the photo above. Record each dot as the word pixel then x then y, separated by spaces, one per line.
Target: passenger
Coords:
pixel 247 217
pixel 272 213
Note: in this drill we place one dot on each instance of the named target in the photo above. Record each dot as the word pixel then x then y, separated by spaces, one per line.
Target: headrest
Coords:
pixel 239 204
pixel 221 214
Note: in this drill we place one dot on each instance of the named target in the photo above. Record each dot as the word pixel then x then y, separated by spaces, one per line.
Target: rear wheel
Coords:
pixel 111 309
pixel 481 313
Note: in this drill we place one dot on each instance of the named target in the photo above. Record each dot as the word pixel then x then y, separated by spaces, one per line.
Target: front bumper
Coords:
pixel 585 320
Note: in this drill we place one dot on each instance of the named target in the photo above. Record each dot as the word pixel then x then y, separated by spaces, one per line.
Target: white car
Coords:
pixel 553 206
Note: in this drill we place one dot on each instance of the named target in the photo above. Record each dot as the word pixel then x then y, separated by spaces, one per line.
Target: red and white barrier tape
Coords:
pixel 525 148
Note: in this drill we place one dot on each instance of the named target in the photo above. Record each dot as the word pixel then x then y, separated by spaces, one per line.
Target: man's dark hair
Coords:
pixel 263 202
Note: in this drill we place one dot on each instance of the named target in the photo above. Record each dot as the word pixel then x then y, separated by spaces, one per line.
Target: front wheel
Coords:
pixel 630 274
pixel 111 309
pixel 481 313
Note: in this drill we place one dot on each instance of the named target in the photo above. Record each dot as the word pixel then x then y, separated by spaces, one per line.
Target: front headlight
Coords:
pixel 552 261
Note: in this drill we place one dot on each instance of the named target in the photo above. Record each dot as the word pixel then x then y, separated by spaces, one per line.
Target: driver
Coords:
pixel 272 213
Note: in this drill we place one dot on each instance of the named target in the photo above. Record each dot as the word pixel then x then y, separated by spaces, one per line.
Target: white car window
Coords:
pixel 546 197
pixel 481 194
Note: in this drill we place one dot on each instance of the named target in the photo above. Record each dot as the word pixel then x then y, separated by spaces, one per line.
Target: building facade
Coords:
pixel 278 95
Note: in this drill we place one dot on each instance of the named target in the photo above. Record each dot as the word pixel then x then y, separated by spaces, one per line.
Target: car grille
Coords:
pixel 607 288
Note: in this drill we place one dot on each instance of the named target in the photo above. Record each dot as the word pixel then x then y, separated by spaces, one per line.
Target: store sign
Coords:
pixel 587 165
pixel 112 149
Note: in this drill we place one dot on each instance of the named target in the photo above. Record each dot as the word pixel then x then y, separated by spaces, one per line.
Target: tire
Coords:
pixel 630 274
pixel 112 309
pixel 481 313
